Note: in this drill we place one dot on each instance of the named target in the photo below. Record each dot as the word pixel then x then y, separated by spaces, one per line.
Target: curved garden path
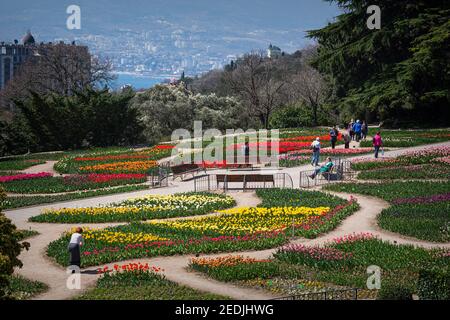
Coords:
pixel 38 266
pixel 44 167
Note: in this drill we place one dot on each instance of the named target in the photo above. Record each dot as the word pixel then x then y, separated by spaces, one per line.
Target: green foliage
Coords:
pixel 166 108
pixel 296 115
pixel 434 283
pixel 400 73
pixel 88 118
pixel 10 248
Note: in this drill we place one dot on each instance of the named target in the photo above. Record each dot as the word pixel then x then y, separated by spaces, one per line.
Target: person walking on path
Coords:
pixel 350 129
pixel 76 240
pixel 357 130
pixel 377 143
pixel 325 168
pixel 334 137
pixel 347 140
pixel 315 146
pixel 364 130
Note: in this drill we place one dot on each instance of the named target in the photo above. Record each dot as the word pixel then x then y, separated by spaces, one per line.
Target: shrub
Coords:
pixel 10 248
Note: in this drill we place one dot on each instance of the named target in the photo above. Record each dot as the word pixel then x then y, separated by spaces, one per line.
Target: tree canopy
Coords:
pixel 399 73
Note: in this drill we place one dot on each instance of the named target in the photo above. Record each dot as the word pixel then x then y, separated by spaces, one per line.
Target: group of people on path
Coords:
pixel 357 131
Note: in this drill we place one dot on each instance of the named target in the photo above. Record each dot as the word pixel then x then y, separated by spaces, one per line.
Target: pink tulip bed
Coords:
pixel 46 183
pixel 341 263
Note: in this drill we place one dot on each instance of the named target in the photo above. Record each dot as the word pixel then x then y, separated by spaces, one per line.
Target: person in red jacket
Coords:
pixel 377 143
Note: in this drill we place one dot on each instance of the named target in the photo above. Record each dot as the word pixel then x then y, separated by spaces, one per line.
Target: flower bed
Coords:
pixel 230 268
pixel 422 171
pixel 24 201
pixel 408 138
pixel 148 207
pixel 393 190
pixel 48 184
pixel 428 220
pixel 121 167
pixel 339 264
pixel 24 176
pixel 114 161
pixel 138 281
pixel 245 229
pixel 420 209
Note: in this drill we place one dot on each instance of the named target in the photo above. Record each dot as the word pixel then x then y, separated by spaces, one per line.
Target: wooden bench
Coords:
pixel 185 169
pixel 244 178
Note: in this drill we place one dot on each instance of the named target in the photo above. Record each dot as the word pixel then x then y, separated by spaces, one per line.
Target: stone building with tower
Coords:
pixel 13 55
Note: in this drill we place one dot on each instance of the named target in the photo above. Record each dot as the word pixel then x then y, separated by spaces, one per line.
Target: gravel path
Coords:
pixel 38 267
pixel 45 167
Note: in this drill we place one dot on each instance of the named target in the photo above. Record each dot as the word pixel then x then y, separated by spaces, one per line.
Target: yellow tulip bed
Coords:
pixel 248 220
pixel 119 237
pixel 135 209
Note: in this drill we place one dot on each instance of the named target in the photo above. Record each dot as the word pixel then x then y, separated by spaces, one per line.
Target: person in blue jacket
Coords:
pixel 357 129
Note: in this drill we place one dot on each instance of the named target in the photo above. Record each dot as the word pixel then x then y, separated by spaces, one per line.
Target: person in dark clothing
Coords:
pixel 364 130
pixel 333 137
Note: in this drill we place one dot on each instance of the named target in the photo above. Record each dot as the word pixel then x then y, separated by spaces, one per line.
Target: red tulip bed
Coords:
pixel 46 183
pixel 185 237
pixel 340 264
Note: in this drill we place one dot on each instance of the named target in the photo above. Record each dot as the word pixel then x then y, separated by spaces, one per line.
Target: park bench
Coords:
pixel 185 169
pixel 245 179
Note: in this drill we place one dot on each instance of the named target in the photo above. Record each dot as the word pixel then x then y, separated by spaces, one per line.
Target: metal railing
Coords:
pixel 210 182
pixel 158 176
pixel 341 171
pixel 335 294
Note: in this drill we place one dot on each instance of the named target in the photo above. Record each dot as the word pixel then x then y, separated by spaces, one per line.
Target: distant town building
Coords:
pixel 274 52
pixel 13 55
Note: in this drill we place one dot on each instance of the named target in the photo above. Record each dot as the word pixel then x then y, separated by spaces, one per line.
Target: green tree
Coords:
pixel 10 248
pixel 399 73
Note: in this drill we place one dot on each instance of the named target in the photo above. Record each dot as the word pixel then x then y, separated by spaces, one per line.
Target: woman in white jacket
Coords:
pixel 76 240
